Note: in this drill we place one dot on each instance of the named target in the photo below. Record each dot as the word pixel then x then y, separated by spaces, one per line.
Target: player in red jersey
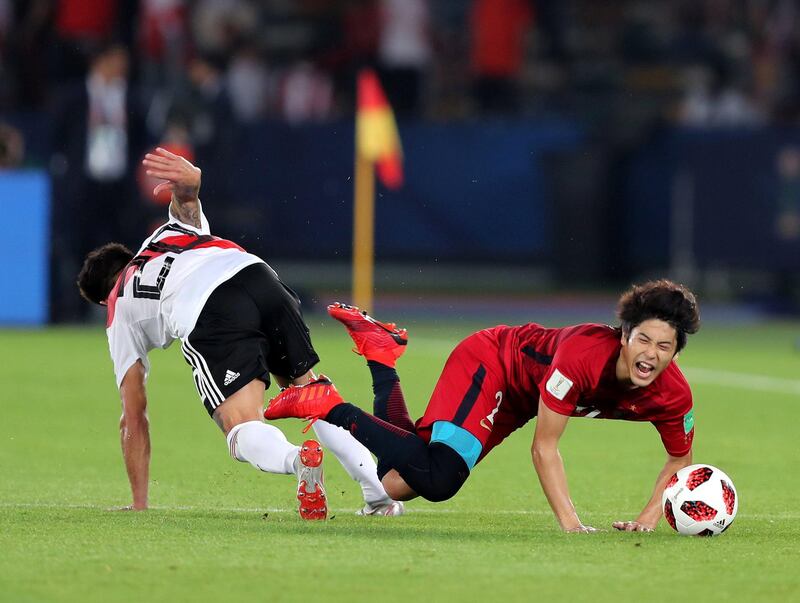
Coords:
pixel 498 379
pixel 239 326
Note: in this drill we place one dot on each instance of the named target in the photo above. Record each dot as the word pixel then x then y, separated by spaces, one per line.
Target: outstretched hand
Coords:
pixel 182 178
pixel 631 526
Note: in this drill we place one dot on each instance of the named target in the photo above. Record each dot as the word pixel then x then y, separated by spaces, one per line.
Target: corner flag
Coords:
pixel 376 131
pixel 377 143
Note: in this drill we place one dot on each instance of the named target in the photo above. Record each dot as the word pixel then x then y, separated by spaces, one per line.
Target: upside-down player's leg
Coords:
pixel 435 471
pixel 456 430
pixel 381 344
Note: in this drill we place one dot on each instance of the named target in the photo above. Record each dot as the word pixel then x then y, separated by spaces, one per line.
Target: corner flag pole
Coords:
pixel 363 233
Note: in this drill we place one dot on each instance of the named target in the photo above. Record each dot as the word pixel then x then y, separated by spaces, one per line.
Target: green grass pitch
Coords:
pixel 220 531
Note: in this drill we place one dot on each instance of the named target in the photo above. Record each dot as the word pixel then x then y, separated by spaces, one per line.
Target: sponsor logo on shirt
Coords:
pixel 558 385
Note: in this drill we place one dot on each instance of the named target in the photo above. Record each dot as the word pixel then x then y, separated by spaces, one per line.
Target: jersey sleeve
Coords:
pixel 677 434
pixel 127 346
pixel 566 378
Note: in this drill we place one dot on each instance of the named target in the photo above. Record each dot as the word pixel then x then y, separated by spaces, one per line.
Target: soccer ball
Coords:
pixel 700 500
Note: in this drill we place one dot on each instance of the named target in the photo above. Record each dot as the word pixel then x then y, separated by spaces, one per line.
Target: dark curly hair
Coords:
pixel 100 271
pixel 664 300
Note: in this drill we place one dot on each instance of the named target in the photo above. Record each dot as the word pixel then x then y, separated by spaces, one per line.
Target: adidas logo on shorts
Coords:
pixel 230 377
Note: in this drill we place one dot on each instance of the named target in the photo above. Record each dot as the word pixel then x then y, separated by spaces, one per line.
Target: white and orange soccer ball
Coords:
pixel 700 500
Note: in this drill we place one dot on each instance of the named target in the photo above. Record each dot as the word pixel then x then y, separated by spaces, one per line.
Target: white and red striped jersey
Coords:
pixel 160 293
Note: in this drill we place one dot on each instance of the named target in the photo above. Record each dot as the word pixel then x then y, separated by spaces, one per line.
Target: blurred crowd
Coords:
pixel 701 62
pixel 87 86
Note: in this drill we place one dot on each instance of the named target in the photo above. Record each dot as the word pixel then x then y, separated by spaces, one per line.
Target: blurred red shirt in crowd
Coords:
pixel 79 19
pixel 498 30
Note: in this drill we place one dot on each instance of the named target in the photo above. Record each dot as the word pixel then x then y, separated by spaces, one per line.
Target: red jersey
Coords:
pixel 504 370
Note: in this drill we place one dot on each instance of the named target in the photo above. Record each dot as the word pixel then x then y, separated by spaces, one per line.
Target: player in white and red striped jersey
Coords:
pixel 238 323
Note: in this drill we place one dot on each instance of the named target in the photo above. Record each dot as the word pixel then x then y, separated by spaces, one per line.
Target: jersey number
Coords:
pixel 490 417
pixel 151 291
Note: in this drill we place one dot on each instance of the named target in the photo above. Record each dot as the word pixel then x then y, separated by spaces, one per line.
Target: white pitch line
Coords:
pixel 761 383
pixel 523 512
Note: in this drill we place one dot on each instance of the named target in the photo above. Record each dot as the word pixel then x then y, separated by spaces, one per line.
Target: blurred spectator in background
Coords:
pixel 97 134
pixel 6 82
pixel 497 32
pixel 81 27
pixel 357 48
pixel 12 147
pixel 404 51
pixel 217 25
pixel 24 41
pixel 711 100
pixel 250 84
pixel 163 42
pixel 200 101
pixel 306 94
pixel 202 105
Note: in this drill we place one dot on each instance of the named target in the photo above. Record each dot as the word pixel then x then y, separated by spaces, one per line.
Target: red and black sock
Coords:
pixel 389 404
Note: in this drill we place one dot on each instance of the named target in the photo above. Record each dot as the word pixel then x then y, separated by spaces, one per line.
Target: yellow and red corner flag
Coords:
pixel 376 131
pixel 377 144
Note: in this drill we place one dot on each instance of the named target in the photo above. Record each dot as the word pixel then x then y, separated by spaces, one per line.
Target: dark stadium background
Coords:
pixel 550 146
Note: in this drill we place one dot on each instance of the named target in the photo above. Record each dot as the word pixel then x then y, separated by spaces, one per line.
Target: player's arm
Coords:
pixel 134 433
pixel 648 518
pixel 182 179
pixel 550 468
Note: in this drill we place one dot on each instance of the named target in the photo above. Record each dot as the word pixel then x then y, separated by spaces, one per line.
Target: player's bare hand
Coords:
pixel 182 178
pixel 580 529
pixel 632 526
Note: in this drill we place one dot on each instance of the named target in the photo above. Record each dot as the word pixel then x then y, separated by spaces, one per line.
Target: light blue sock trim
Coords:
pixel 459 439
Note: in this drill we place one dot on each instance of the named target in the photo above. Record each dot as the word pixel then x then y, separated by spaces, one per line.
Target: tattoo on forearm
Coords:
pixel 188 212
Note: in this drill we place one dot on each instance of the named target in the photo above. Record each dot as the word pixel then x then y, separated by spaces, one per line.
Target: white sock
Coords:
pixel 263 446
pixel 355 459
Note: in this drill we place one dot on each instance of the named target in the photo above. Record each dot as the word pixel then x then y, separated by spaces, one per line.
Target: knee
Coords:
pixel 396 487
pixel 448 472
pixel 444 488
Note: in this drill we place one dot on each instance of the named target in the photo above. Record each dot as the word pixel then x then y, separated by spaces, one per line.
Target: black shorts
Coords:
pixel 250 326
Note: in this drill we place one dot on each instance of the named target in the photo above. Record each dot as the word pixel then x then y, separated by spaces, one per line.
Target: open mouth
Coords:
pixel 644 369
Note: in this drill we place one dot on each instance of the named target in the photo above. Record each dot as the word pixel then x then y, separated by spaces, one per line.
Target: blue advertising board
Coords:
pixel 24 247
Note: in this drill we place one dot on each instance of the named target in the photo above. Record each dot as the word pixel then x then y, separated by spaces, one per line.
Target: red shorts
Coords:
pixel 471 393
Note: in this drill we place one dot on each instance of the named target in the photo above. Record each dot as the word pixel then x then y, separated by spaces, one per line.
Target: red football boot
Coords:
pixel 378 341
pixel 313 401
pixel 310 486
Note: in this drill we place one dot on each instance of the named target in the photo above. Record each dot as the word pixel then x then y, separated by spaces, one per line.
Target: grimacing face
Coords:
pixel 646 352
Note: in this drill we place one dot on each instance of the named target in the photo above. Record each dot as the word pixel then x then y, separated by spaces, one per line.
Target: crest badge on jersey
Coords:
pixel 558 385
pixel 688 421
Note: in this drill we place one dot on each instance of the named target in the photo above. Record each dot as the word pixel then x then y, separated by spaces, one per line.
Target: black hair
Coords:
pixel 100 271
pixel 662 299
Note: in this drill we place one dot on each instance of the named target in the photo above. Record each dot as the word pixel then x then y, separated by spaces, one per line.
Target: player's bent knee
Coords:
pixel 396 487
pixel 243 406
pixel 449 471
